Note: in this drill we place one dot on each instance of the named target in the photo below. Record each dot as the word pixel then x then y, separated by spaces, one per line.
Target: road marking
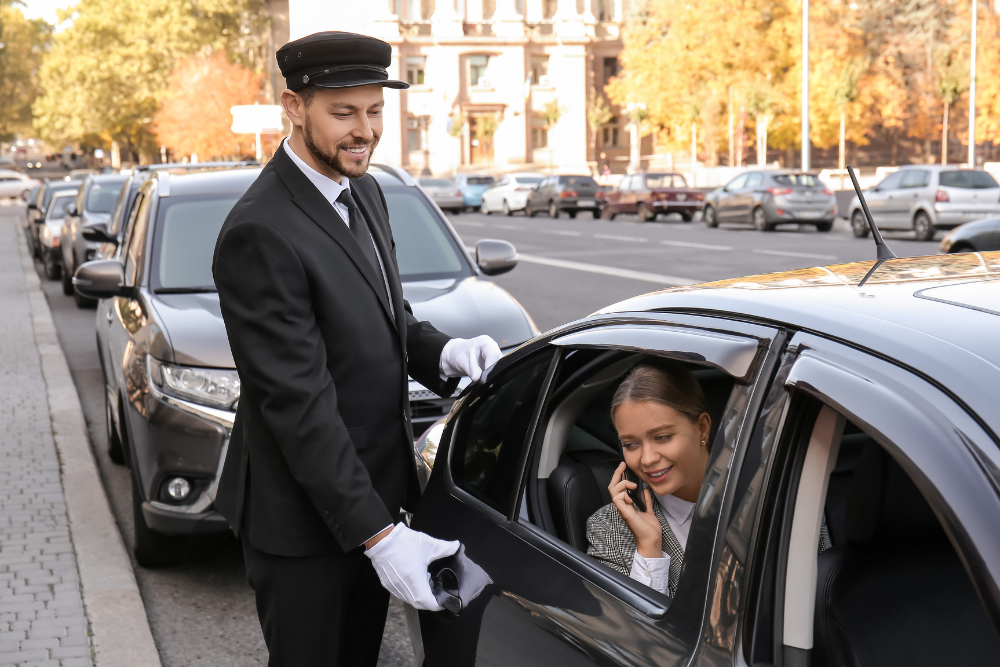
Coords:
pixel 786 253
pixel 468 224
pixel 706 246
pixel 500 226
pixel 613 237
pixel 560 232
pixel 608 271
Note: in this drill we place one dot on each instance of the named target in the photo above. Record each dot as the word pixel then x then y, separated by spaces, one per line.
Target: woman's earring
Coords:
pixel 703 442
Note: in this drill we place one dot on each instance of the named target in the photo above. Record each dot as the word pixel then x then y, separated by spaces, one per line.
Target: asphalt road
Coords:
pixel 202 612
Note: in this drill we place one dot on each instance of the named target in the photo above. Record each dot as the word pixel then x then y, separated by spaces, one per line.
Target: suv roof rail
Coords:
pixel 196 165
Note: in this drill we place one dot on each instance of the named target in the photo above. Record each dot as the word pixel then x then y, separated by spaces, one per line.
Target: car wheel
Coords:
pixel 528 211
pixel 923 227
pixel 824 226
pixel 961 247
pixel 52 271
pixel 483 208
pixel 67 281
pixel 505 207
pixel 709 216
pixel 642 212
pixel 606 214
pixel 153 549
pixel 859 226
pixel 760 222
pixel 686 217
pixel 553 210
pixel 115 450
pixel 572 214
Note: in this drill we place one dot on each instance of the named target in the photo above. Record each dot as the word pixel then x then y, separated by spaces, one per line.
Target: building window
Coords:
pixel 539 68
pixel 611 134
pixel 539 133
pixel 610 69
pixel 605 10
pixel 477 69
pixel 549 8
pixel 413 138
pixel 415 70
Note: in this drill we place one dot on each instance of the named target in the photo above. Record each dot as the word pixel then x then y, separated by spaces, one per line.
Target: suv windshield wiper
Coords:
pixel 184 290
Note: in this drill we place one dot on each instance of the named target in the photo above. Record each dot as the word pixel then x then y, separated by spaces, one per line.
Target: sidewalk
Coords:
pixel 68 596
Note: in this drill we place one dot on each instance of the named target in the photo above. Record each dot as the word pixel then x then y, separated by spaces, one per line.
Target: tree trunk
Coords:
pixel 740 137
pixel 732 146
pixel 944 134
pixel 842 161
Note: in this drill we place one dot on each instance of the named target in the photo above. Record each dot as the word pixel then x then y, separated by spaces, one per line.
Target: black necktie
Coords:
pixel 360 229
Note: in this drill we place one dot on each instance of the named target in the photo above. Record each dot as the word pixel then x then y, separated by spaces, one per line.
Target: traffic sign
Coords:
pixel 257 118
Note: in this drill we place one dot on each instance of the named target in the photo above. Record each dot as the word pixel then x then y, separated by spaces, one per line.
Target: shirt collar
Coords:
pixel 679 510
pixel 329 188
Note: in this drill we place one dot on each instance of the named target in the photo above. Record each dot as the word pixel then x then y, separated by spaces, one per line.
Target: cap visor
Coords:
pixel 399 85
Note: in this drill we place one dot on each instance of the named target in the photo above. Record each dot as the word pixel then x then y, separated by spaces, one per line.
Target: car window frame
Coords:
pixel 145 216
pixel 881 187
pixel 925 179
pixel 731 185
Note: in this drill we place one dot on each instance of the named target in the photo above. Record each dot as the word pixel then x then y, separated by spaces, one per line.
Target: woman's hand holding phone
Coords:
pixel 645 527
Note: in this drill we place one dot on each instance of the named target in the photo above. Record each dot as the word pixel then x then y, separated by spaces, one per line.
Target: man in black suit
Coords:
pixel 320 460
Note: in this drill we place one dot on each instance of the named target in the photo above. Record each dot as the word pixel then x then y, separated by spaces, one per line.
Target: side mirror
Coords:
pixel 32 205
pixel 98 233
pixel 101 279
pixel 71 209
pixel 495 257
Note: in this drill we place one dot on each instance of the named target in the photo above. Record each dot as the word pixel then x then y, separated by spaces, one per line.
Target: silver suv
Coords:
pixel 926 198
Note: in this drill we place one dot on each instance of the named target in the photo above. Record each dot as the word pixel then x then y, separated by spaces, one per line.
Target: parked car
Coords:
pixel 170 382
pixel 510 193
pixel 49 240
pixel 827 408
pixel 445 193
pixel 473 186
pixel 926 198
pixel 979 236
pixel 650 194
pixel 555 194
pixel 14 184
pixel 94 202
pixel 36 209
pixel 768 198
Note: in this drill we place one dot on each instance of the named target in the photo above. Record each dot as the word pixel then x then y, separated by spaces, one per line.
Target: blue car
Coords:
pixel 473 187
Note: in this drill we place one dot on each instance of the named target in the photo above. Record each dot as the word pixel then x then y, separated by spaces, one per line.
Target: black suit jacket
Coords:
pixel 321 453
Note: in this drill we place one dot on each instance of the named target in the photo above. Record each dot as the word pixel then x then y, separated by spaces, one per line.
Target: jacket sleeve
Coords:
pixel 279 352
pixel 605 540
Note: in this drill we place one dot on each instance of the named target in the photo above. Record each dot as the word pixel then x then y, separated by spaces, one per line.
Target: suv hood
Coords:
pixel 463 308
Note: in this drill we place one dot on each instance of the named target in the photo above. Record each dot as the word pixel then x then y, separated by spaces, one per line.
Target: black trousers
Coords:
pixel 318 611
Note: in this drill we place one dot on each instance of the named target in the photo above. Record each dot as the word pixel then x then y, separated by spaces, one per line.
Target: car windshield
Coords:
pixel 435 182
pixel 578 181
pixel 186 231
pixel 58 208
pixel 480 180
pixel 806 180
pixel 102 197
pixel 425 250
pixel 529 180
pixel 664 180
pixel 967 179
pixel 49 191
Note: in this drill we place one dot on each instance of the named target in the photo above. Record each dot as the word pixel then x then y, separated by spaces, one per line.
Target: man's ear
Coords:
pixel 295 107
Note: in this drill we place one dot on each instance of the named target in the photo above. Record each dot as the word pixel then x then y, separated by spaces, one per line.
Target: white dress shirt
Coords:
pixel 655 572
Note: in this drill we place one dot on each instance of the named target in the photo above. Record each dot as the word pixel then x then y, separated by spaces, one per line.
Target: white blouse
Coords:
pixel 655 572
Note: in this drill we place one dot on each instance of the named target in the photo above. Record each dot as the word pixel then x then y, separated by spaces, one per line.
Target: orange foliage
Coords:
pixel 195 118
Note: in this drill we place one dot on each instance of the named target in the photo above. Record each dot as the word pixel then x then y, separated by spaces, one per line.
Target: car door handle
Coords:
pixel 109 315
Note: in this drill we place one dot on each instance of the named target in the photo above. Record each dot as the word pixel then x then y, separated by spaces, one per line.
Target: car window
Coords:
pixel 737 183
pixel 659 181
pixel 891 182
pixel 491 435
pixel 578 181
pixel 102 197
pixel 504 181
pixel 58 208
pixel 118 212
pixel 187 229
pixel 967 179
pixel 807 180
pixel 479 180
pixel 916 178
pixel 137 242
pixel 755 180
pixel 425 249
pixel 435 182
pixel 528 180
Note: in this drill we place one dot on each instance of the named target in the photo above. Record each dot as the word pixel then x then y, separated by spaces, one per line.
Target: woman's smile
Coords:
pixel 657 476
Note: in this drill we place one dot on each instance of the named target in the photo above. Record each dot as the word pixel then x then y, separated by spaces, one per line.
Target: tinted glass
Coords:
pixel 528 180
pixel 102 197
pixel 493 432
pixel 578 181
pixel 186 231
pixel 425 250
pixel 755 180
pixel 58 208
pixel 807 180
pixel 737 182
pixel 137 242
pixel 435 182
pixel 916 178
pixel 892 182
pixel 480 180
pixel 654 181
pixel 967 179
pixel 51 190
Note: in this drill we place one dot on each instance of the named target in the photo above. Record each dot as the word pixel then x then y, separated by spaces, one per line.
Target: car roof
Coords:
pixel 207 181
pixel 938 315
pixel 11 172
pixel 69 192
pixel 109 178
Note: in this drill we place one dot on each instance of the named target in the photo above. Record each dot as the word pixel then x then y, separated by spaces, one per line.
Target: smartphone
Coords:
pixel 636 493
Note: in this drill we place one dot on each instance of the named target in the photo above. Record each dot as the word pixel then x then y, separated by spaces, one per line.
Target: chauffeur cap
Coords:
pixel 336 60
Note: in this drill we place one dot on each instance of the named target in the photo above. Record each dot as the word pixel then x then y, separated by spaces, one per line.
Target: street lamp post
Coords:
pixel 972 89
pixel 805 85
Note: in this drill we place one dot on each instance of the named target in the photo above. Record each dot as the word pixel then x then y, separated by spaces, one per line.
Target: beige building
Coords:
pixel 482 73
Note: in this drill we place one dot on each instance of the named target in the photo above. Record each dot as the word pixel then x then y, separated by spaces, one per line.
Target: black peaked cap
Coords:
pixel 336 60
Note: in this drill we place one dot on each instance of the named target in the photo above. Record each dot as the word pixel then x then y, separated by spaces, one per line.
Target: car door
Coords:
pixel 729 198
pixel 629 193
pixel 747 197
pixel 885 200
pixel 915 191
pixel 549 603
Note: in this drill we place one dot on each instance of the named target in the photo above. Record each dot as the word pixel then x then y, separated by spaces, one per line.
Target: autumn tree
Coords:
pixel 22 46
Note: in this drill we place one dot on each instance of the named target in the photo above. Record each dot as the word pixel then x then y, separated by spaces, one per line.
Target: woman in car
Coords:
pixel 663 425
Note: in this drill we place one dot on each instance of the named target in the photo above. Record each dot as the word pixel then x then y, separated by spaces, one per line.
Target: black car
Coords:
pixel 978 236
pixel 571 194
pixel 871 409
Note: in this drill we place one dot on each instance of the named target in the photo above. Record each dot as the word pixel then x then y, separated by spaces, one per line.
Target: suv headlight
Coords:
pixel 213 387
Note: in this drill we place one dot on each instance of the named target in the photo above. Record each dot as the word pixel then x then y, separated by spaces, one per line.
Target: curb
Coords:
pixel 121 636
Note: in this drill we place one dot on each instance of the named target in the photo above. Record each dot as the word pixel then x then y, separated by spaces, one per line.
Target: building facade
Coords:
pixel 496 85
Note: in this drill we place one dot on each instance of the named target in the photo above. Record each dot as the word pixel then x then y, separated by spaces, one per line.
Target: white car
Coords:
pixel 510 193
pixel 14 183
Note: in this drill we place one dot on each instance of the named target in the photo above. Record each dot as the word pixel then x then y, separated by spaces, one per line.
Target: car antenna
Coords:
pixel 882 251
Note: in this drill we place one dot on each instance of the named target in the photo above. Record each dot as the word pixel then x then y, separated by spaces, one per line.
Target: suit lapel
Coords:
pixel 384 251
pixel 312 203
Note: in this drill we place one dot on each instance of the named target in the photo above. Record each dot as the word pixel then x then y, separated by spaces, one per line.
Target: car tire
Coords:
pixel 923 227
pixel 859 226
pixel 67 281
pixel 686 218
pixel 710 217
pixel 824 226
pixel 528 211
pixel 961 247
pixel 572 214
pixel 115 450
pixel 607 214
pixel 505 208
pixel 553 210
pixel 760 223
pixel 52 270
pixel 83 302
pixel 643 213
pixel 153 549
pixel 483 208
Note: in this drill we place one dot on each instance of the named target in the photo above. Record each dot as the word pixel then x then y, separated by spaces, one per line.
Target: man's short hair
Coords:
pixel 307 94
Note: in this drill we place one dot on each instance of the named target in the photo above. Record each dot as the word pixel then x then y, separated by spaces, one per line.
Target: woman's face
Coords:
pixel 663 447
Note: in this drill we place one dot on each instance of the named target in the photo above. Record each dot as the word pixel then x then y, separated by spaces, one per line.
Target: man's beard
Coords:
pixel 348 168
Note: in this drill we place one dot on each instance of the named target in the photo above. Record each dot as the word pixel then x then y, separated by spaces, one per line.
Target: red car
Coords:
pixel 648 194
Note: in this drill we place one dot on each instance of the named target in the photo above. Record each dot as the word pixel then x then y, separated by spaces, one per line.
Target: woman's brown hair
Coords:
pixel 664 382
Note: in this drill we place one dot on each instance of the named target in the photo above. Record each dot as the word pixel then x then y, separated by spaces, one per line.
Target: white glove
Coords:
pixel 469 356
pixel 401 559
